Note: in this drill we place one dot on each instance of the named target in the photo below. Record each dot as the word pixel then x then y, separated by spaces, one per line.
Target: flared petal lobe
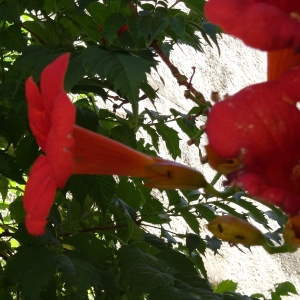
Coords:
pixel 266 25
pixel 260 125
pixel 38 121
pixel 60 140
pixel 39 196
pixel 52 82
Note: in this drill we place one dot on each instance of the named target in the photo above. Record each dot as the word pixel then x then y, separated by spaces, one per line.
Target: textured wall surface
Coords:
pixel 236 67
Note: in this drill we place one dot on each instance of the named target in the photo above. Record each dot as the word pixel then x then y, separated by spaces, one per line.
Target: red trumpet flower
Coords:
pixel 254 138
pixel 263 24
pixel 70 149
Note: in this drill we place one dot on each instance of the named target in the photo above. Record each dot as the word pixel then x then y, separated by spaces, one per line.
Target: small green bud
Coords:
pixel 236 231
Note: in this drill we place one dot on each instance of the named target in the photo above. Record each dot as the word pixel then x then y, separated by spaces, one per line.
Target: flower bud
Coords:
pixel 291 232
pixel 236 231
pixel 221 164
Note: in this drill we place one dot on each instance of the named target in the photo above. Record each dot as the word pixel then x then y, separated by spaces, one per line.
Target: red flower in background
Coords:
pixel 70 149
pixel 254 137
pixel 263 24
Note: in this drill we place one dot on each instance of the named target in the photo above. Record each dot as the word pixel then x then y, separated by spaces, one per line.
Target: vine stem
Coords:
pixel 279 249
pixel 197 97
pixel 181 79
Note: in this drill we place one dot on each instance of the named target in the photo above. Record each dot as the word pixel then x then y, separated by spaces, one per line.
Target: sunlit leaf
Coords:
pixel 225 286
pixel 170 136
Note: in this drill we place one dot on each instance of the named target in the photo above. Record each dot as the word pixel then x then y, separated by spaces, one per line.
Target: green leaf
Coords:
pixel 285 288
pixel 255 213
pixel 86 86
pixel 225 286
pixel 178 262
pixel 83 4
pixel 135 233
pixel 125 71
pixel 89 245
pixel 186 124
pixel 154 136
pixel 155 115
pixel 205 211
pixel 125 135
pixel 9 11
pixel 4 186
pixel 87 25
pixel 171 293
pixel 128 192
pixel 9 168
pixel 195 5
pixel 171 138
pixel 15 124
pixel 32 268
pixel 213 243
pixel 258 295
pixel 74 81
pixel 12 38
pixel 112 25
pixel 129 257
pixel 78 273
pixel 143 271
pixel 86 118
pixel 152 210
pixel 99 12
pixel 277 215
pixel 16 209
pixel 147 278
pixel 229 209
pixel 33 60
pixel 193 242
pixel 177 26
pixel 151 26
pixel 173 197
pixel 275 296
pixel 27 151
pixel 190 219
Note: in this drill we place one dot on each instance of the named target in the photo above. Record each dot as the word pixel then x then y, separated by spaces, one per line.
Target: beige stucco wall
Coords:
pixel 238 66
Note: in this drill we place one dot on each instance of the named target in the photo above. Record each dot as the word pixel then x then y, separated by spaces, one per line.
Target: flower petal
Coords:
pixel 39 196
pixel 52 81
pixel 97 154
pixel 260 125
pixel 60 141
pixel 266 25
pixel 38 121
pixel 290 85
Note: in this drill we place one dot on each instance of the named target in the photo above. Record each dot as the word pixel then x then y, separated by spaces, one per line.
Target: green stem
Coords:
pixel 278 249
pixel 223 195
pixel 216 178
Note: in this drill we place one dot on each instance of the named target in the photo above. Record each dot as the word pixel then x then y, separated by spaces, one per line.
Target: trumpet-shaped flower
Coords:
pixel 263 24
pixel 254 138
pixel 70 149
